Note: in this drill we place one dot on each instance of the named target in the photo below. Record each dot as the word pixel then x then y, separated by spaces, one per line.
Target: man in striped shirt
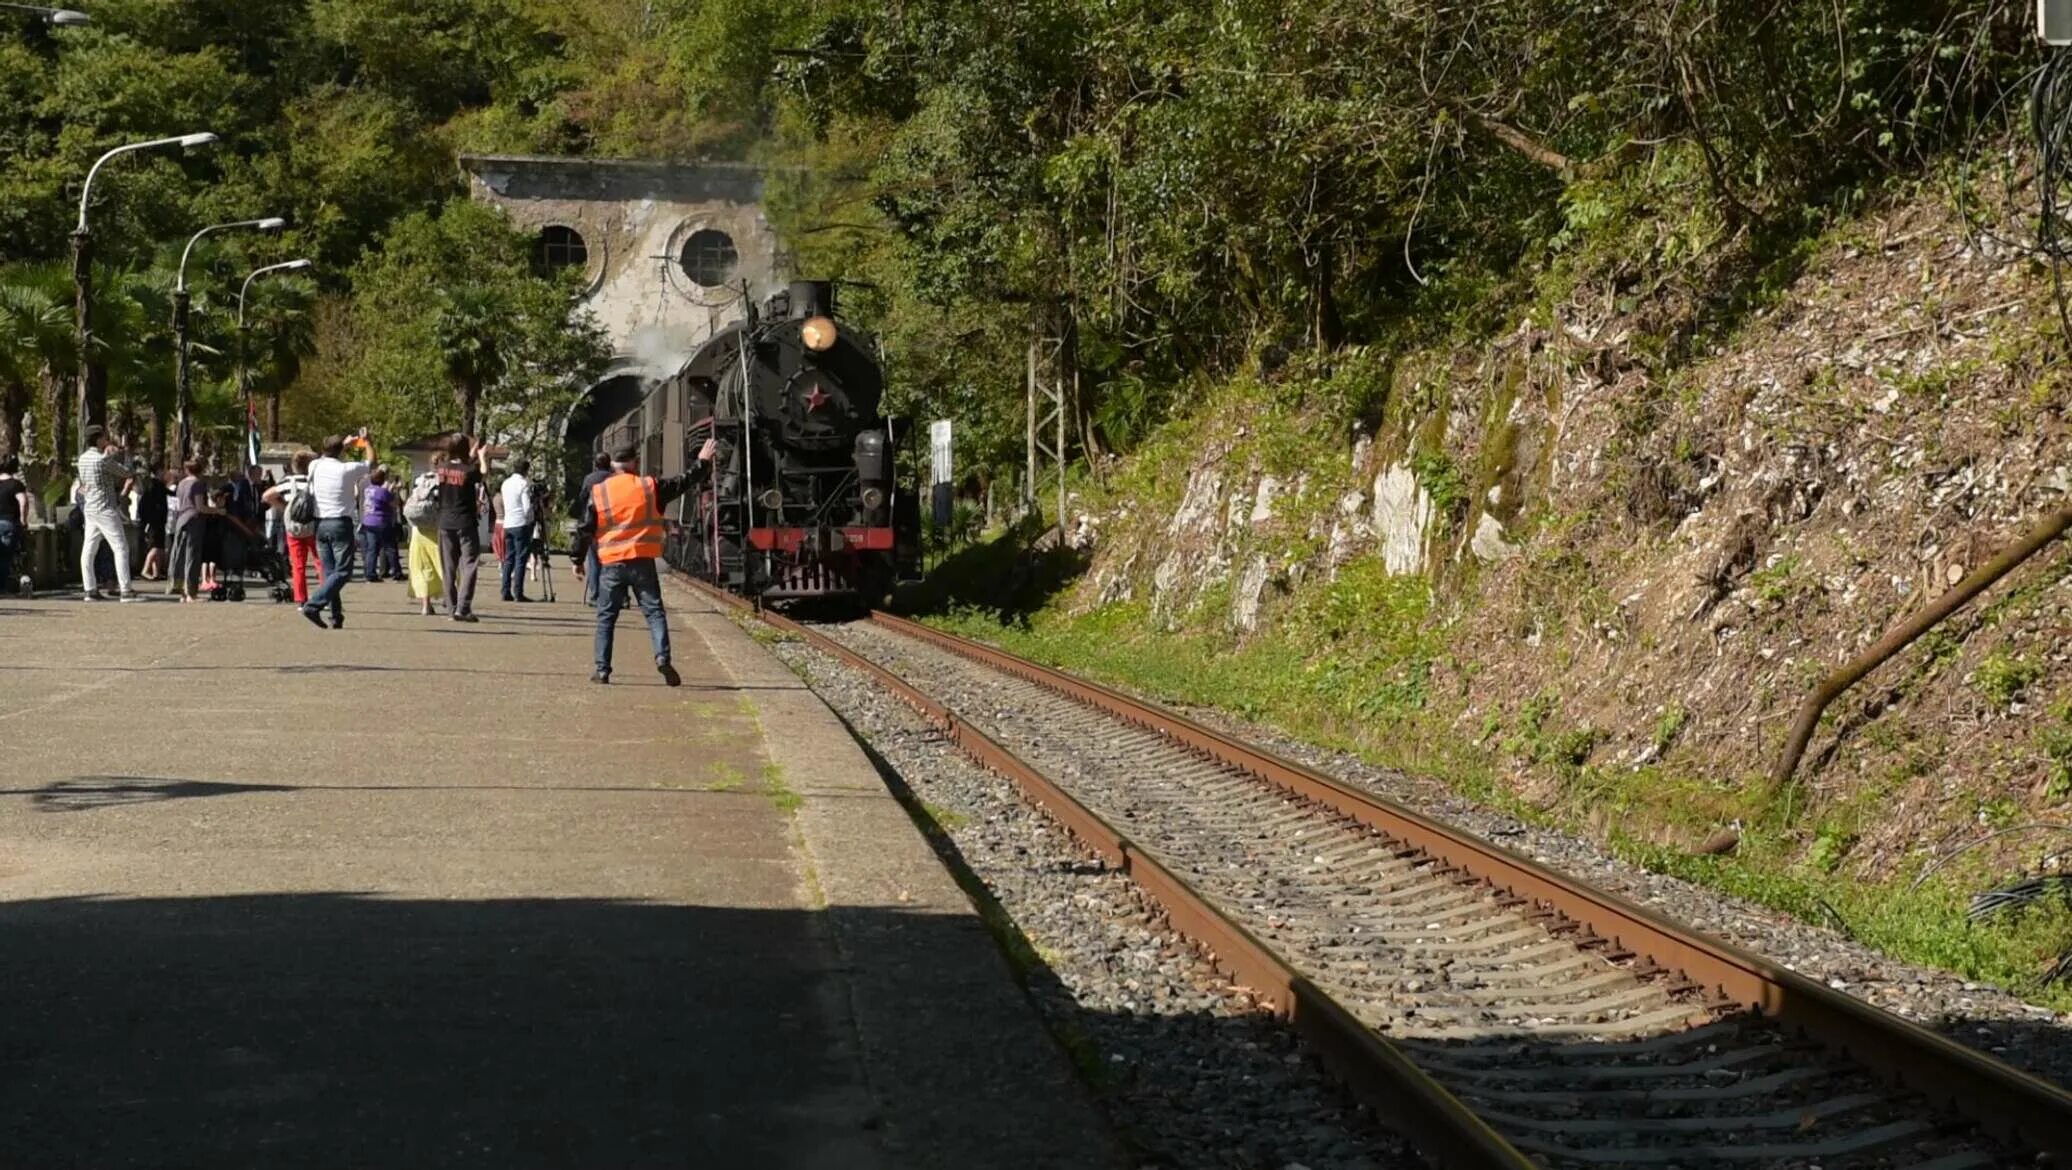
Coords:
pixel 102 472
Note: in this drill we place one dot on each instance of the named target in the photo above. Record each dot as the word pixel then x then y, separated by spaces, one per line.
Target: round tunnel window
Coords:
pixel 560 247
pixel 709 257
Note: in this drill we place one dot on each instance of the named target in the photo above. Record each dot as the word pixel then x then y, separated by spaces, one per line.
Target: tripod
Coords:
pixel 539 565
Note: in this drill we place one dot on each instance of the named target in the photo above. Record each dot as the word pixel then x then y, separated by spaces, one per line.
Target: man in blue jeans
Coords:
pixel 514 512
pixel 622 523
pixel 335 484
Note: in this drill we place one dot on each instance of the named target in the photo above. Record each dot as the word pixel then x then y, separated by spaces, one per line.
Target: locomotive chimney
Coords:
pixel 812 298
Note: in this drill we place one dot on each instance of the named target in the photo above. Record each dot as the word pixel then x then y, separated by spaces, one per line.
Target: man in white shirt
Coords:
pixel 102 473
pixel 514 501
pixel 334 485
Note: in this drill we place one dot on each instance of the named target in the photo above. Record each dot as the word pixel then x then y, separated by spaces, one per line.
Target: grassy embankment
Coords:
pixel 1366 663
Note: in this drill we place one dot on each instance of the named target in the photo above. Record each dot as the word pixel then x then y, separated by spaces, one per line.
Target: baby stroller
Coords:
pixel 244 555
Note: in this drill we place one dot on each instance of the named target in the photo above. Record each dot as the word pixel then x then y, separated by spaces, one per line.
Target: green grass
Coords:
pixel 765 634
pixel 949 819
pixel 781 795
pixel 724 777
pixel 1927 926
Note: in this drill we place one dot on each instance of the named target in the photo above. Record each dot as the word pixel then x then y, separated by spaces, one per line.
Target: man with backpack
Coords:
pixel 289 499
pixel 334 503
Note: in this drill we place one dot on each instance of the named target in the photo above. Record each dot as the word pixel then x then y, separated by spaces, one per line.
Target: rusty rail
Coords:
pixel 2004 1101
pixel 1384 1079
pixel 1903 634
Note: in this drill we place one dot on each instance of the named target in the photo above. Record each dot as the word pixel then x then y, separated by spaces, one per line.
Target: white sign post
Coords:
pixel 941 472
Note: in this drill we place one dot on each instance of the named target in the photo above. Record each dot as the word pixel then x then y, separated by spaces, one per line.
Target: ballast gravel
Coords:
pixel 2034 1039
pixel 1189 1069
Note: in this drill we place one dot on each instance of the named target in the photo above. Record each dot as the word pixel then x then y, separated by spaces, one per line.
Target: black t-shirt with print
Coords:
pixel 460 495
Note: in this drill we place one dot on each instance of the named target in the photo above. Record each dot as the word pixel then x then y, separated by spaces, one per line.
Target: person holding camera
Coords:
pixel 460 479
pixel 334 486
pixel 103 470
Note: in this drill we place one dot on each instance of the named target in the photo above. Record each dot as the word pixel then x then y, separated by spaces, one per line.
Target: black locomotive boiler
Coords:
pixel 806 499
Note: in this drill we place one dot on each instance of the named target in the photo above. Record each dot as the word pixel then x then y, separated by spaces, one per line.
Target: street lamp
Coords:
pixel 59 17
pixel 244 375
pixel 183 400
pixel 93 380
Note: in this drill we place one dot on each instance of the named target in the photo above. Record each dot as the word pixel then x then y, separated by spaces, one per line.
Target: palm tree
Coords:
pixel 280 331
pixel 29 317
pixel 36 348
pixel 471 325
pixel 134 334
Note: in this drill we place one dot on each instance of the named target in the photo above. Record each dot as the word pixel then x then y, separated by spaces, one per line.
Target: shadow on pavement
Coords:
pixel 88 792
pixel 344 1030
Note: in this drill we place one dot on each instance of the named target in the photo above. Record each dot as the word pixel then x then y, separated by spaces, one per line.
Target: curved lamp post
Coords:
pixel 183 399
pixel 244 375
pixel 58 17
pixel 93 378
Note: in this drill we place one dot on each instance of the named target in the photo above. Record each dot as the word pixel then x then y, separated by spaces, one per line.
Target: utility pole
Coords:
pixel 93 377
pixel 183 394
pixel 1047 411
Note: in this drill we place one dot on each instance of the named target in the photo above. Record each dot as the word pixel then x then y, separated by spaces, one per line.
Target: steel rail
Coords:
pixel 2007 1103
pixel 1378 1073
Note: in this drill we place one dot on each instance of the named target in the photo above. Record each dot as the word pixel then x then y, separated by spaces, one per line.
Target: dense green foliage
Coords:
pixel 1199 186
pixel 1181 189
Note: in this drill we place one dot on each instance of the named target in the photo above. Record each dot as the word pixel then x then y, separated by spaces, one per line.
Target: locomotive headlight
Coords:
pixel 873 498
pixel 819 334
pixel 772 499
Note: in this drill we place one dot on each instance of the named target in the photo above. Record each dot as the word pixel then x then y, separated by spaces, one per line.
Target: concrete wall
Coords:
pixel 634 218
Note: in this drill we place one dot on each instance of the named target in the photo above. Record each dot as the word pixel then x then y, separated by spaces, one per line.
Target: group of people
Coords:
pixel 338 502
pixel 332 506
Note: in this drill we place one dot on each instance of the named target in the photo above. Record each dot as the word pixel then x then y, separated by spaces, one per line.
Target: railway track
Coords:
pixel 1499 1013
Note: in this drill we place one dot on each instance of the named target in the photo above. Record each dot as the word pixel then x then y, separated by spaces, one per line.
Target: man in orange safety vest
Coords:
pixel 622 519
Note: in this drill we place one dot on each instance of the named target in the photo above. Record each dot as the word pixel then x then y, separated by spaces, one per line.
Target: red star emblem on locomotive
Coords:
pixel 816 398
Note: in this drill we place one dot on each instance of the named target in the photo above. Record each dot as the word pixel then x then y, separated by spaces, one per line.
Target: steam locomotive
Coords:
pixel 806 499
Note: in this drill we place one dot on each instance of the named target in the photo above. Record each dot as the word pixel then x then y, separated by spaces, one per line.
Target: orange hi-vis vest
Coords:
pixel 629 526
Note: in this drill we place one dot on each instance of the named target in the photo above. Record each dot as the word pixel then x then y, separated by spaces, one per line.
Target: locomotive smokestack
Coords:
pixel 811 298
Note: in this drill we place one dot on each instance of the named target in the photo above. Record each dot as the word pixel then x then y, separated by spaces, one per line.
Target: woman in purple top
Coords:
pixel 378 530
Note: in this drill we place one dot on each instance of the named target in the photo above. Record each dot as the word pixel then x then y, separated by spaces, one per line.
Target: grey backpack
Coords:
pixel 302 508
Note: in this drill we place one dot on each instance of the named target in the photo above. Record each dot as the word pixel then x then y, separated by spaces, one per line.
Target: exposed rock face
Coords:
pixel 1703 550
pixel 1201 503
pixel 1262 504
pixel 1402 519
pixel 1244 600
pixel 1488 543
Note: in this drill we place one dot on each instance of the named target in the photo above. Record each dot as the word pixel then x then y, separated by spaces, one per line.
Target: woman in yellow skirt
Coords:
pixel 426 580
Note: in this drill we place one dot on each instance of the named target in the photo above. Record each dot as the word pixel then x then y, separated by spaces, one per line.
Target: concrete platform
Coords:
pixel 417 894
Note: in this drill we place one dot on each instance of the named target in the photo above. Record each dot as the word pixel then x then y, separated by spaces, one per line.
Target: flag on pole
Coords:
pixel 251 433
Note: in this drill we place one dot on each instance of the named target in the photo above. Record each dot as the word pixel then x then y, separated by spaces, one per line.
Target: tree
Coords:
pixel 451 301
pixel 280 332
pixel 35 342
